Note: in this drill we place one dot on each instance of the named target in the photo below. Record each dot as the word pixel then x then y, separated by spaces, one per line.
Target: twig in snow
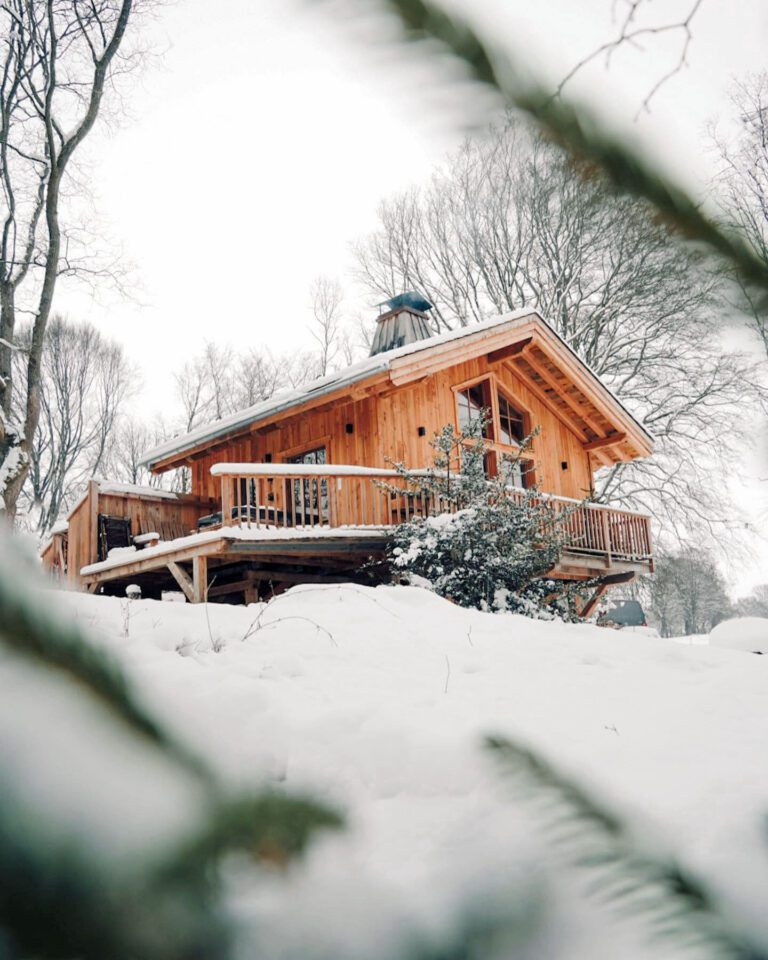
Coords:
pixel 448 674
pixel 216 647
pixel 320 629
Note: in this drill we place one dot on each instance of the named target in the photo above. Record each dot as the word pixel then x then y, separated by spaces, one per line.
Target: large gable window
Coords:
pixel 505 429
pixel 511 422
pixel 471 403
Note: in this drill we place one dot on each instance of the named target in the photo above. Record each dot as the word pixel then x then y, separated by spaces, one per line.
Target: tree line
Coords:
pixel 507 222
pixel 86 428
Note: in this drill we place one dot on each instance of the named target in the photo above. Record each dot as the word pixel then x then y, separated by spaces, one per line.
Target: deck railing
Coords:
pixel 324 495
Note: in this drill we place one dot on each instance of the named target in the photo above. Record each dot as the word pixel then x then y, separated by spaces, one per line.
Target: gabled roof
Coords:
pixel 404 364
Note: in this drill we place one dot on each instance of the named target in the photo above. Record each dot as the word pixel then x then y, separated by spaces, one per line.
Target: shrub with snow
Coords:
pixel 485 548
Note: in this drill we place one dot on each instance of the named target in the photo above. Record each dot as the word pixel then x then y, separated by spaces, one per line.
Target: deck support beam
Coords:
pixel 183 579
pixel 602 589
pixel 199 578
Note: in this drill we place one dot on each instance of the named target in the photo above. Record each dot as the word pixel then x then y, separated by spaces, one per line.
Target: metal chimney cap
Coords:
pixel 411 299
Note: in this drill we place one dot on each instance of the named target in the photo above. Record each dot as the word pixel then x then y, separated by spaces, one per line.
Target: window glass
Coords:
pixel 471 403
pixel 511 422
pixel 310 498
pixel 516 473
pixel 310 456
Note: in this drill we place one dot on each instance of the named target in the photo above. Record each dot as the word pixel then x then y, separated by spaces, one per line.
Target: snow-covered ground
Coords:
pixel 377 699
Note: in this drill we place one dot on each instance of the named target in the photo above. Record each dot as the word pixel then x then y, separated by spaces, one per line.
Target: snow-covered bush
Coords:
pixel 484 544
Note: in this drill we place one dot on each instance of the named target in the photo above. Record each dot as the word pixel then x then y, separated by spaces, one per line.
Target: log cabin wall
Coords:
pixel 386 428
pixel 170 518
pixel 82 546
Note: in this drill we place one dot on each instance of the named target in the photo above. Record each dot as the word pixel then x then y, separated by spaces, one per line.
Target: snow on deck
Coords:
pixel 313 470
pixel 242 532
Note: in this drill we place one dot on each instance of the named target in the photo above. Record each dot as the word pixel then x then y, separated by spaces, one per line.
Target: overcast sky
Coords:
pixel 263 138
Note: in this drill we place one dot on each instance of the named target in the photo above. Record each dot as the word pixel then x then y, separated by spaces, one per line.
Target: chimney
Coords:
pixel 403 320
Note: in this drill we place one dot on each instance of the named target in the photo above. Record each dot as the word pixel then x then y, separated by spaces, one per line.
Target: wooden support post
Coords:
pixel 93 520
pixel 606 536
pixel 227 500
pixel 199 578
pixel 602 588
pixel 590 605
pixel 183 579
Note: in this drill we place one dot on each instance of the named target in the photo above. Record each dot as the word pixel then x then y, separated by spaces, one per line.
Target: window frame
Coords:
pixel 463 388
pixel 496 448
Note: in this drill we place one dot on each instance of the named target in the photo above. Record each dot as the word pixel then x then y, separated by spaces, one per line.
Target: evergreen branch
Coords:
pixel 30 629
pixel 58 901
pixel 674 902
pixel 272 827
pixel 593 148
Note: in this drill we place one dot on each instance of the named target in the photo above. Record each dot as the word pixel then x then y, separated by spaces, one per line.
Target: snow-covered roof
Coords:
pixel 316 388
pixel 111 486
pixel 380 362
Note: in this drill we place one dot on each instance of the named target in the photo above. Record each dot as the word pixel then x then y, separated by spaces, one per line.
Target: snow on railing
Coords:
pixel 342 495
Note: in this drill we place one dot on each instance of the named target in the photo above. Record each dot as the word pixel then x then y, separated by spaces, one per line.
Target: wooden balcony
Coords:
pixel 291 523
pixel 292 495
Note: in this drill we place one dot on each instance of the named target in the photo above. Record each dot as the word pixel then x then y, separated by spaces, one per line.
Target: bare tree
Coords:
pixel 132 438
pixel 57 58
pixel 327 297
pixel 205 385
pixel 257 376
pixel 686 594
pixel 632 29
pixel 742 182
pixel 754 605
pixel 84 382
pixel 221 380
pixel 506 224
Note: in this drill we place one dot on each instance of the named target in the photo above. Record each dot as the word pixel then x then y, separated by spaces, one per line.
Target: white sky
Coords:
pixel 261 144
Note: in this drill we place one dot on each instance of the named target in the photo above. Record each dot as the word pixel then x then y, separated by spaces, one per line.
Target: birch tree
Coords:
pixel 58 59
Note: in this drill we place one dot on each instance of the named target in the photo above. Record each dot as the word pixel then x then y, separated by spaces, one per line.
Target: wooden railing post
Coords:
pixel 227 502
pixel 330 497
pixel 607 535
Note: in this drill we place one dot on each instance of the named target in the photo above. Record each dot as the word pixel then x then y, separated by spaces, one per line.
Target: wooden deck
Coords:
pixel 279 524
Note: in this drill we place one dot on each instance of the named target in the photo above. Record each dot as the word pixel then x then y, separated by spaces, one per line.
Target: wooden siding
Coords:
pixel 147 513
pixel 385 428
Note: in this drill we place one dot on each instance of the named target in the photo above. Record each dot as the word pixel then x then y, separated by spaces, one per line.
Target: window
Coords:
pixel 516 473
pixel 506 428
pixel 310 504
pixel 471 402
pixel 511 422
pixel 317 455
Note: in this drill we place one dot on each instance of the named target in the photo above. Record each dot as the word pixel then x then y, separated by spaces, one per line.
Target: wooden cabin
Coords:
pixel 289 490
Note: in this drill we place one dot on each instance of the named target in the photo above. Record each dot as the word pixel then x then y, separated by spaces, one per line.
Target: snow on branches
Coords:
pixel 484 543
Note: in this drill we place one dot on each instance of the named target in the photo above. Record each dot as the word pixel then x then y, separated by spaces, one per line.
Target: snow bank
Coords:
pixel 742 633
pixel 377 700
